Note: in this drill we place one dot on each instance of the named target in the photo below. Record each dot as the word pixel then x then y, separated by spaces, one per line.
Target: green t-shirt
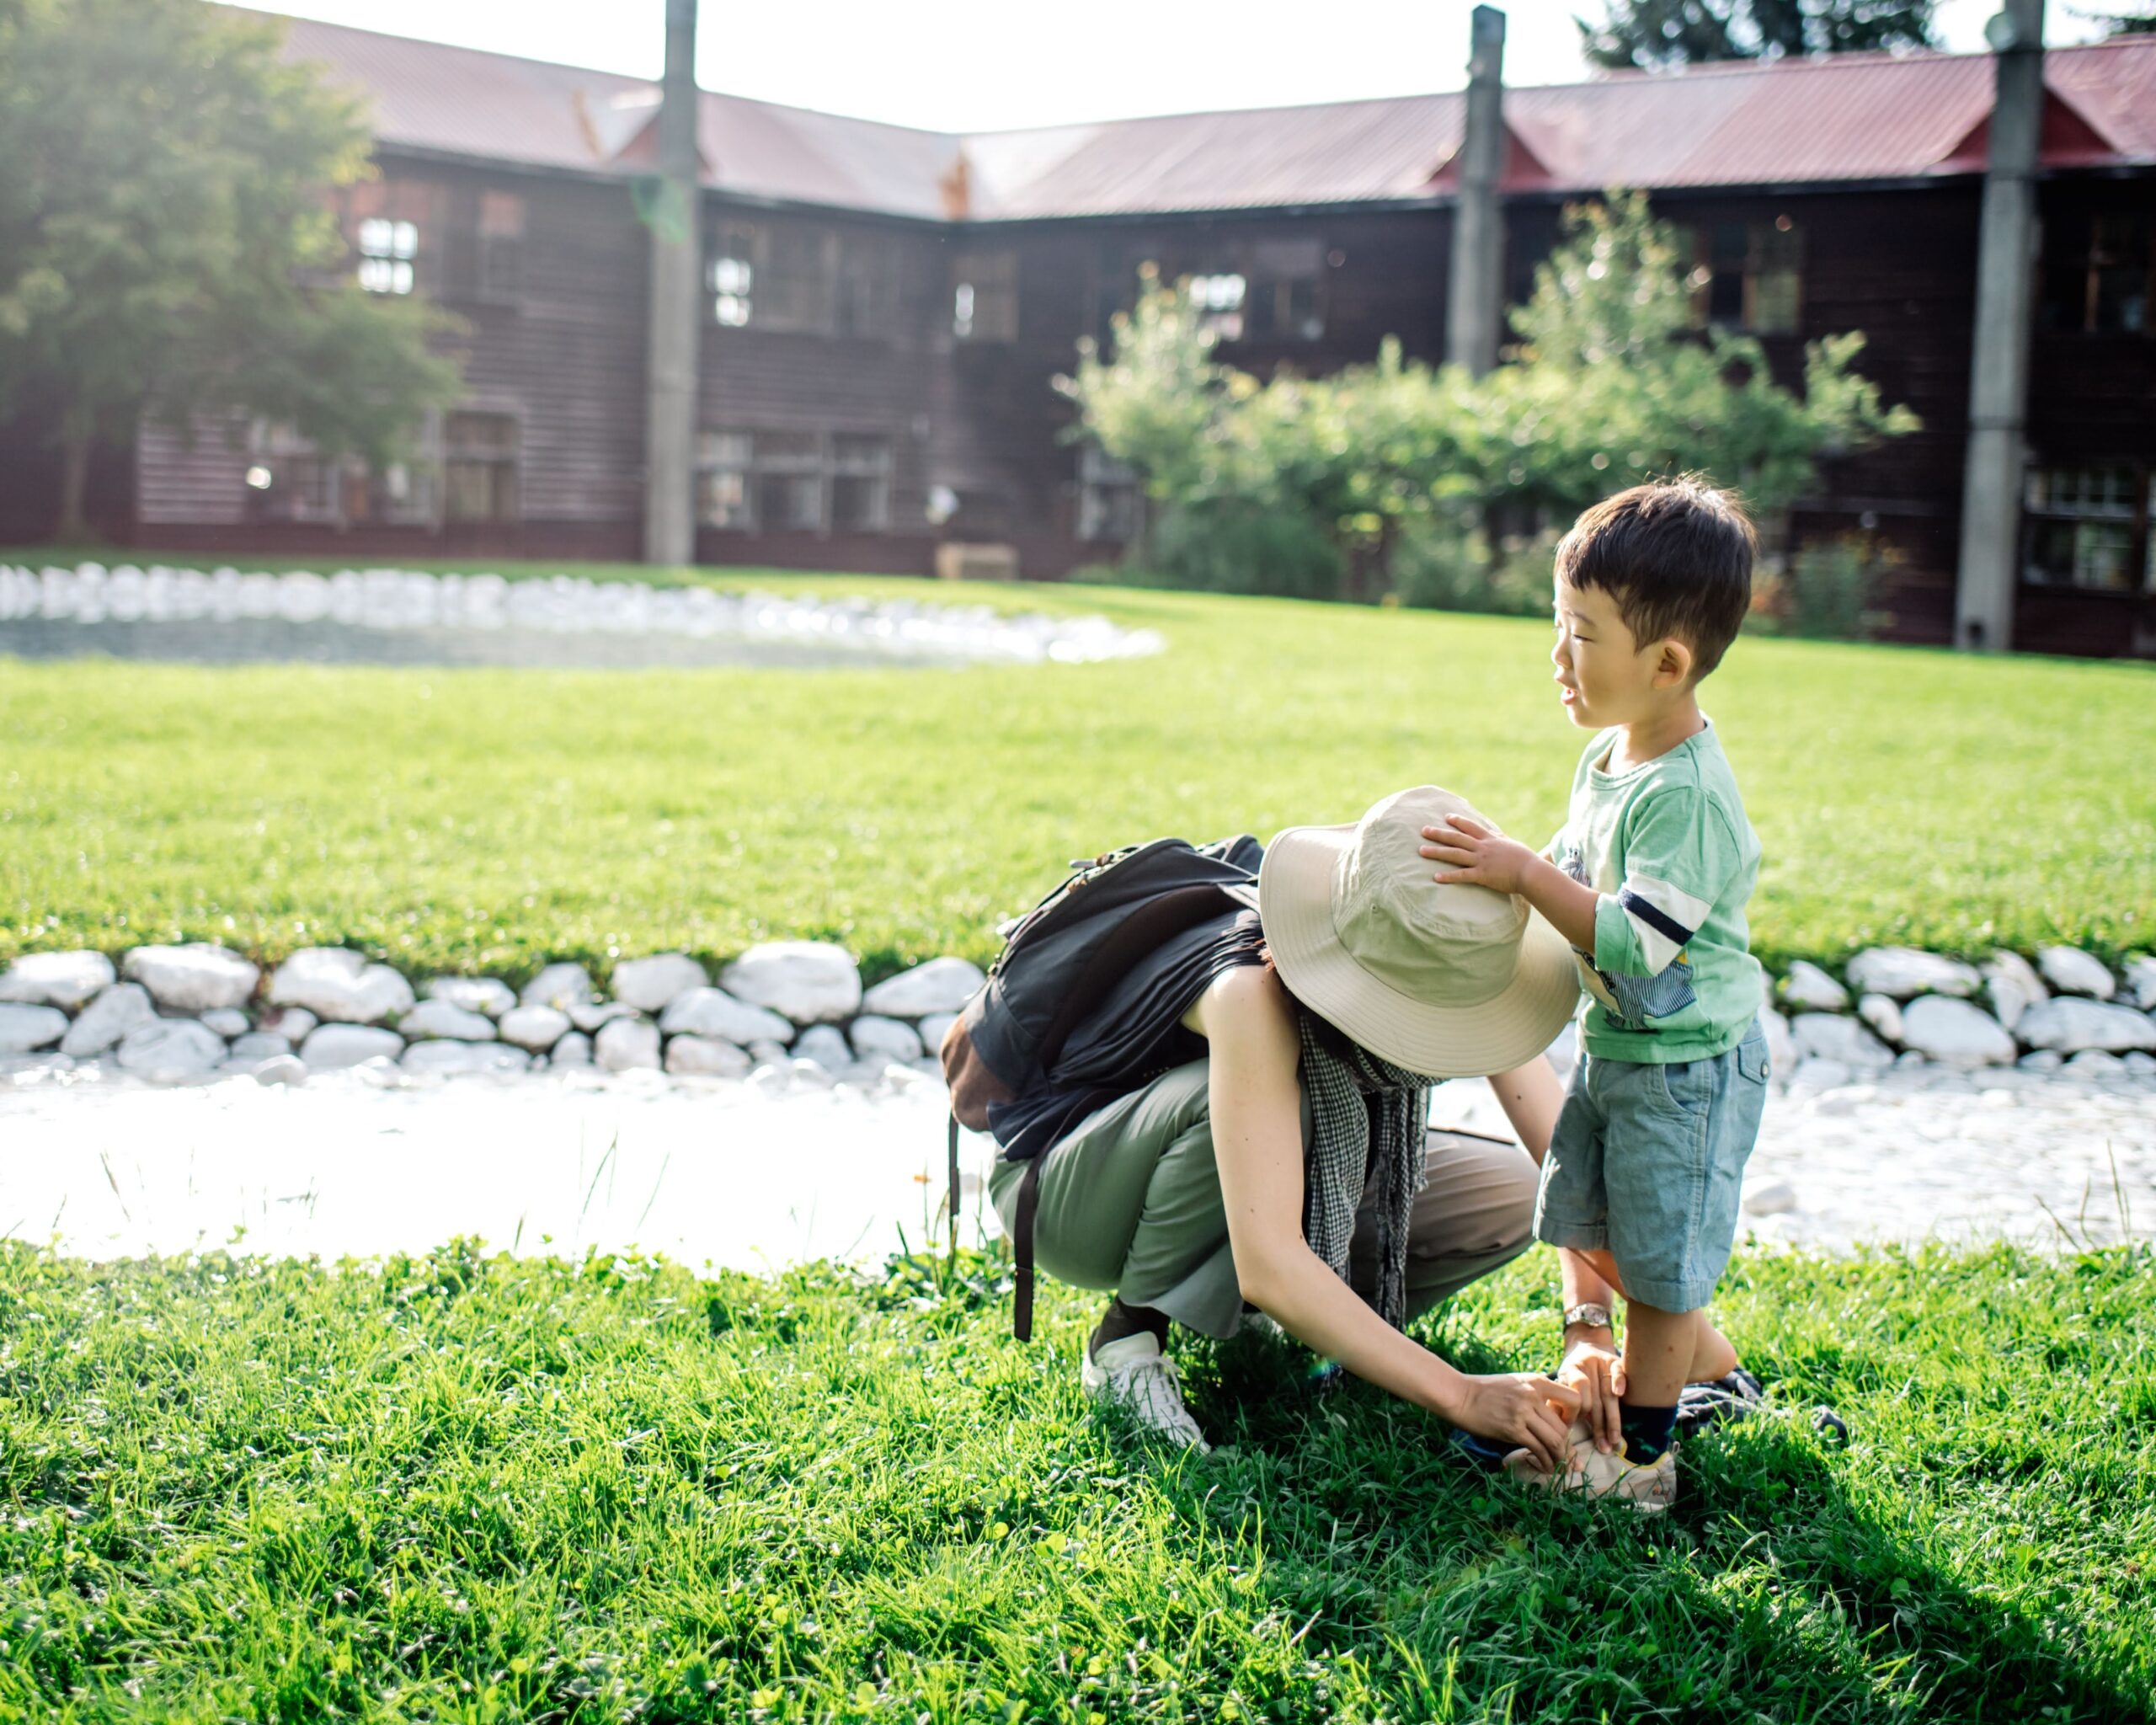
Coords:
pixel 1666 843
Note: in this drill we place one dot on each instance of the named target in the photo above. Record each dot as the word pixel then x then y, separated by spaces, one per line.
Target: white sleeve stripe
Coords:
pixel 1676 904
pixel 1656 946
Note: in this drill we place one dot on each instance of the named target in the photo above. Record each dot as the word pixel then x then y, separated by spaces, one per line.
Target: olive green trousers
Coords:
pixel 1129 1201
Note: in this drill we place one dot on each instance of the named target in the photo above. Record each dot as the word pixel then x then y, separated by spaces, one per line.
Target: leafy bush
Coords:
pixel 1234 548
pixel 1610 385
pixel 1441 566
pixel 1829 594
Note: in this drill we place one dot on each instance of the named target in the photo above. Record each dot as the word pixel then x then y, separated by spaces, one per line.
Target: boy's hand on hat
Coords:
pixel 1478 857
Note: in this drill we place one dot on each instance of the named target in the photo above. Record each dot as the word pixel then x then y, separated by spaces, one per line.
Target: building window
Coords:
pixel 1218 300
pixel 724 463
pixel 2088 527
pixel 860 484
pixel 1749 275
pixel 866 302
pixel 2100 275
pixel 479 464
pixel 985 296
pixel 289 481
pixel 789 481
pixel 1107 496
pixel 501 246
pixel 1282 303
pixel 733 276
pixel 779 482
pixel 388 250
pixel 794 285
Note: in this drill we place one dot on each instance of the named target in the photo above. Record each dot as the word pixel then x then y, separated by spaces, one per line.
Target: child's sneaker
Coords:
pixel 1133 1373
pixel 1649 1488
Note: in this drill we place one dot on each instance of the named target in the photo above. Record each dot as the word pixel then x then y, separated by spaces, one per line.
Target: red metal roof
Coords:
pixel 1853 117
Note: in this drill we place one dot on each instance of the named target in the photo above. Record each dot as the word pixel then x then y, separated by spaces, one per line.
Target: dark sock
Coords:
pixel 1122 1321
pixel 1645 1430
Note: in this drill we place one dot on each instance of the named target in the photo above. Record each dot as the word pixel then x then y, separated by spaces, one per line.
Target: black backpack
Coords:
pixel 1058 963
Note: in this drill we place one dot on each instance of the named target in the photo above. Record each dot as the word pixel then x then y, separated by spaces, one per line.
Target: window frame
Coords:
pixel 822 455
pixel 1765 236
pixel 985 302
pixel 1109 494
pixel 510 455
pixel 2045 512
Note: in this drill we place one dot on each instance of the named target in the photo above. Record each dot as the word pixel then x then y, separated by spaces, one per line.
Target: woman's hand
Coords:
pixel 1522 1408
pixel 1591 1368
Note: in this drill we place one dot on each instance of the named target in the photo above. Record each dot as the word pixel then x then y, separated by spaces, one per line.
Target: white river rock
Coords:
pixel 114 1013
pixel 293 1023
pixel 63 980
pixel 438 1018
pixel 331 1047
pixel 1955 1033
pixel 26 1028
pixel 558 985
pixel 706 1056
pixel 573 1050
pixel 227 1021
pixel 1808 988
pixel 826 1046
pixel 538 1028
pixel 2012 986
pixel 339 984
pixel 2141 980
pixel 1884 1016
pixel 171 1049
pixel 887 1038
pixel 588 1015
pixel 258 1045
pixel 2070 971
pixel 934 1028
pixel 941 985
pixel 1904 971
pixel 475 994
pixel 1781 1046
pixel 807 982
pixel 627 1044
pixel 464 1057
pixel 652 984
pixel 2071 1025
pixel 713 1012
pixel 1828 1036
pixel 192 978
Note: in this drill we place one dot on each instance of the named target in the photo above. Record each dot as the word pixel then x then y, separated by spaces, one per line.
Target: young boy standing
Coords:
pixel 1648 880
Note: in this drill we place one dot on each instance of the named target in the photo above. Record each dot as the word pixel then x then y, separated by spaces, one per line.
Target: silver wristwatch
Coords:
pixel 1589 1312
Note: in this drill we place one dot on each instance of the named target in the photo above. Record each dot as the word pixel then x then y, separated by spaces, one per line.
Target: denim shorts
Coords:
pixel 1647 1162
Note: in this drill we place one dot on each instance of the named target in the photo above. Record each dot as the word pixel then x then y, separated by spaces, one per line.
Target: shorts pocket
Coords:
pixel 1752 1062
pixel 1689 1084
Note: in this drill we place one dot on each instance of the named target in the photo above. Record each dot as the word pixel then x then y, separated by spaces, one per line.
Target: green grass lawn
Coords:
pixel 475 1488
pixel 481 820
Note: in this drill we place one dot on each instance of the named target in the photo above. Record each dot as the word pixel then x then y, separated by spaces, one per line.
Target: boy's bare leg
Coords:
pixel 1659 1348
pixel 1714 1355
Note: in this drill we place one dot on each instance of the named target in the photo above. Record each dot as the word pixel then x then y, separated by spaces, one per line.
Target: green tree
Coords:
pixel 166 247
pixel 1660 34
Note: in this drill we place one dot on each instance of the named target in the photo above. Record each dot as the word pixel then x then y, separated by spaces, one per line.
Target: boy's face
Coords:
pixel 1606 678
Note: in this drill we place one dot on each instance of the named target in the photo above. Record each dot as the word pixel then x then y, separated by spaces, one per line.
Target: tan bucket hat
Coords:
pixel 1450 981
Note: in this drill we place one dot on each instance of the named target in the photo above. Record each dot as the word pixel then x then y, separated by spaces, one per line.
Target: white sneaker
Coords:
pixel 1650 1487
pixel 1133 1374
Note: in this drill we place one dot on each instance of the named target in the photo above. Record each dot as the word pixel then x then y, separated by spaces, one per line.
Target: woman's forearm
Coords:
pixel 1292 1286
pixel 1531 1097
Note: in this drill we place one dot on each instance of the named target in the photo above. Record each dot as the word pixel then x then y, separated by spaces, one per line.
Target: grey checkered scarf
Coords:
pixel 1354 1096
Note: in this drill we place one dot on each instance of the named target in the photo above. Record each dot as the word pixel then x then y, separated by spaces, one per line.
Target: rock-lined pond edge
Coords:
pixel 798 1012
pixel 415 617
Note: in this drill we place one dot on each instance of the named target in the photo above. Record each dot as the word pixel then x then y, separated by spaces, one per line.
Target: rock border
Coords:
pixel 796 1012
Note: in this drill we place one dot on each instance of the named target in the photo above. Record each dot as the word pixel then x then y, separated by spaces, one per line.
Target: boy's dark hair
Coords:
pixel 1677 557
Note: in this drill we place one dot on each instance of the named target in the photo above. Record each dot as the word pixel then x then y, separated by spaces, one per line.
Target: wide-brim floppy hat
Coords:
pixel 1448 982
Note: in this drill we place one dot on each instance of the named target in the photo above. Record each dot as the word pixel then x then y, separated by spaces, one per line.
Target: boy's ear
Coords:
pixel 1673 666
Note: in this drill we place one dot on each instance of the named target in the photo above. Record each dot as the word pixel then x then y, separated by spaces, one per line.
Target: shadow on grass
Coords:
pixel 1791 1581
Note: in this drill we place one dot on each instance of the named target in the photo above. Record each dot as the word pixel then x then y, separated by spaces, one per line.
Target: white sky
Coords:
pixel 951 67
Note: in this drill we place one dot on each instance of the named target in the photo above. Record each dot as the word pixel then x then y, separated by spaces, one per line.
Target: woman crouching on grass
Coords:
pixel 1284 1164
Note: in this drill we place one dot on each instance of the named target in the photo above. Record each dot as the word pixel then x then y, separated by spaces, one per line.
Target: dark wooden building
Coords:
pixel 885 309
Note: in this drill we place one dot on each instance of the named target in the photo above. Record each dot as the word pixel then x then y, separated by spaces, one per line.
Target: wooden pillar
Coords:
pixel 1475 310
pixel 676 227
pixel 1999 366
